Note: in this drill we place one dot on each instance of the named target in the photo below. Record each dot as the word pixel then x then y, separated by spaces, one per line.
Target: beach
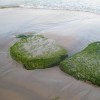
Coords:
pixel 73 30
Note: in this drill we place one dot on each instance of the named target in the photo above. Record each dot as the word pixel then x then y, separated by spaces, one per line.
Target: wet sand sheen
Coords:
pixel 73 30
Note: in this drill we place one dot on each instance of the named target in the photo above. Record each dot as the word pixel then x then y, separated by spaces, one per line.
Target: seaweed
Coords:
pixel 25 35
pixel 56 98
pixel 84 65
pixel 37 52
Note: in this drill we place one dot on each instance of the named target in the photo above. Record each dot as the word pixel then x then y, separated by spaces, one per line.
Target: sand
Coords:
pixel 73 30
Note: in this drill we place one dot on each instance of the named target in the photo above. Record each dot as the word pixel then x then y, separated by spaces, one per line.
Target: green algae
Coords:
pixel 84 65
pixel 56 98
pixel 25 35
pixel 37 52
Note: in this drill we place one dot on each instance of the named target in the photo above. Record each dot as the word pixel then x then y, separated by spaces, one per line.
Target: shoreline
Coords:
pixel 71 29
pixel 19 7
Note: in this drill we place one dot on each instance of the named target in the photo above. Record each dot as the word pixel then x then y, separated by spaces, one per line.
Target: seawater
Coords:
pixel 81 5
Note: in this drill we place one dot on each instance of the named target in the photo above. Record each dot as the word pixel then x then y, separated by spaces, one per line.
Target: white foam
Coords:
pixel 82 5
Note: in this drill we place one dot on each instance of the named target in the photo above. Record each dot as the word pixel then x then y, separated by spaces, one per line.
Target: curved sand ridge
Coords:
pixel 73 30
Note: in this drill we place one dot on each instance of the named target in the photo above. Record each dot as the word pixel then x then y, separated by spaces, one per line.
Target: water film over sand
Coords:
pixel 71 29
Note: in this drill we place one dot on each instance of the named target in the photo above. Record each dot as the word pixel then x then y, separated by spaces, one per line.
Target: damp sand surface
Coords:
pixel 73 30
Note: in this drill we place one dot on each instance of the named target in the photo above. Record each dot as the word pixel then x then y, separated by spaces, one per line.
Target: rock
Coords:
pixel 84 65
pixel 37 52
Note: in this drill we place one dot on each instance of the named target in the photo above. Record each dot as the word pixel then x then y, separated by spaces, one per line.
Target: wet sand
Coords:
pixel 72 29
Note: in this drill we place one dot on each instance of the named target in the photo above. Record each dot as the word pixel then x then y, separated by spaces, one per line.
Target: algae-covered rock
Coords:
pixel 84 65
pixel 37 52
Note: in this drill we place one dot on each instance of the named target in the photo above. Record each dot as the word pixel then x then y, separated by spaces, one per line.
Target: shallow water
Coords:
pixel 82 5
pixel 71 29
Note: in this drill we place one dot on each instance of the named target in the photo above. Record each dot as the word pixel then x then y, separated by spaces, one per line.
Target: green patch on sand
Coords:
pixel 37 52
pixel 84 65
pixel 25 35
pixel 56 98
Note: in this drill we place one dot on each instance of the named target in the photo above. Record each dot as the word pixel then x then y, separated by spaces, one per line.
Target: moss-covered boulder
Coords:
pixel 84 65
pixel 37 52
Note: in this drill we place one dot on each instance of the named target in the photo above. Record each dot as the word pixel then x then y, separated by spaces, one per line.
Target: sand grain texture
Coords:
pixel 71 29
